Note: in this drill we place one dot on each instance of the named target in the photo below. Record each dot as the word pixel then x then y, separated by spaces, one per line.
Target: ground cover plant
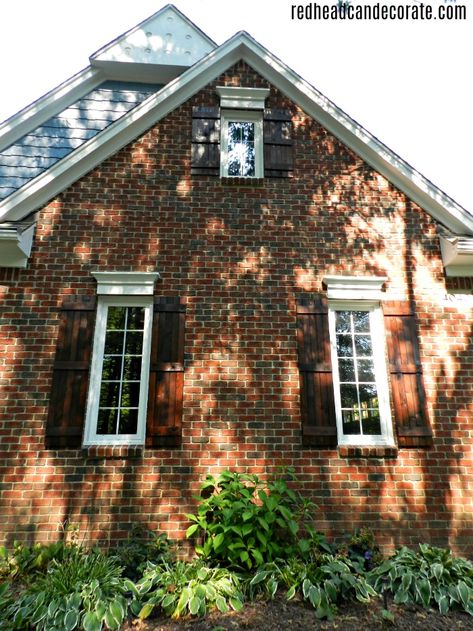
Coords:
pixel 256 544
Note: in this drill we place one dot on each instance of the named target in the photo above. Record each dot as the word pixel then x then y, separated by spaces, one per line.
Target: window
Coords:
pixel 359 373
pixel 118 391
pixel 242 144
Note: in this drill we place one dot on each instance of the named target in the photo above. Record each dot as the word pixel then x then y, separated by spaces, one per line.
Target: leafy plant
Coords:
pixel 85 590
pixel 142 546
pixel 323 584
pixel 26 562
pixel 430 576
pixel 186 588
pixel 245 523
pixel 362 549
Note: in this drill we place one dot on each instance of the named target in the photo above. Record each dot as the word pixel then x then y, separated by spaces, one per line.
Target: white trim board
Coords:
pixel 240 47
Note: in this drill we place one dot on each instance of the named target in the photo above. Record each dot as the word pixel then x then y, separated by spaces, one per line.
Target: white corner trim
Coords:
pixel 125 283
pixel 15 246
pixel 355 287
pixel 242 98
pixel 457 255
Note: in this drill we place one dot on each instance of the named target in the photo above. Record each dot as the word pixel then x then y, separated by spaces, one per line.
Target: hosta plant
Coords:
pixel 323 584
pixel 429 577
pixel 85 591
pixel 186 588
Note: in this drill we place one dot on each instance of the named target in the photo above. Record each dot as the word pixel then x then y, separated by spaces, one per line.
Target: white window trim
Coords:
pixel 236 97
pixel 379 359
pixel 90 434
pixel 239 116
pixel 125 283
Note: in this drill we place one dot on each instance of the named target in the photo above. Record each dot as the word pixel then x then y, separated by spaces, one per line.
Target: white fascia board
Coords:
pixel 49 105
pixel 240 47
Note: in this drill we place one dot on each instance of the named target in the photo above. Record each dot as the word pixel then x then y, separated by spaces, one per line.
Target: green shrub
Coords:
pixel 85 590
pixel 323 584
pixel 26 562
pixel 245 523
pixel 429 577
pixel 186 588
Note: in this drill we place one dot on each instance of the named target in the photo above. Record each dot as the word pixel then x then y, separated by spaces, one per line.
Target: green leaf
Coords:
pixel 218 541
pixel 272 587
pixel 90 622
pixel 263 523
pixel 191 530
pixel 117 610
pixel 424 590
pixel 221 604
pixel 306 585
pixel 71 620
pixel 291 592
pixel 406 580
pixel 194 605
pixel 437 570
pixel 330 590
pixel 444 604
pixel 464 592
pixel 146 611
pixel 168 601
pixel 315 596
pixel 236 604
pixel 401 597
pixel 202 573
pixel 258 577
pixel 247 515
pixel 258 557
pixel 110 620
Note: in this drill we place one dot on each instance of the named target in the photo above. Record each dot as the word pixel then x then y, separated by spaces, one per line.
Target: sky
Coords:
pixel 410 83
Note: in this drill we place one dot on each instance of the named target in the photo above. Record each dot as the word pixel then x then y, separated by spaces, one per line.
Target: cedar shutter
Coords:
pixel 410 409
pixel 205 158
pixel 319 427
pixel 278 143
pixel 71 373
pixel 166 379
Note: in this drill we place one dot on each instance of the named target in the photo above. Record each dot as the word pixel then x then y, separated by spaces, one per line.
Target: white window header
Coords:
pixel 355 287
pixel 242 98
pixel 125 283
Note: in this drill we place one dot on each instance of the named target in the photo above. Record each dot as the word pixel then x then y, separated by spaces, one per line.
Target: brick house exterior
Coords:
pixel 240 361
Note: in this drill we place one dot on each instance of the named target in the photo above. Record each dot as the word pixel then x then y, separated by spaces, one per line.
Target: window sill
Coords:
pixel 109 452
pixel 371 451
pixel 241 181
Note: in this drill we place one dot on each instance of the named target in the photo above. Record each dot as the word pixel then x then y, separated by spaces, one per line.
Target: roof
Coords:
pixel 168 47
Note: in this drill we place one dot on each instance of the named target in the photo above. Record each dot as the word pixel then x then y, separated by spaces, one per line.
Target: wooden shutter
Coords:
pixel 410 410
pixel 71 373
pixel 319 427
pixel 205 159
pixel 278 143
pixel 166 380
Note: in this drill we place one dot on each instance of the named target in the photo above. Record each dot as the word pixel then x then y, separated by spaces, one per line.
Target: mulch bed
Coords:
pixel 281 615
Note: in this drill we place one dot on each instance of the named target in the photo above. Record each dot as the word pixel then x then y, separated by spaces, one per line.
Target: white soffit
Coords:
pixel 125 283
pixel 457 255
pixel 165 39
pixel 15 246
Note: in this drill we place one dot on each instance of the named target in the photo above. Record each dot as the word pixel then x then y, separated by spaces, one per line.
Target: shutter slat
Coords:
pixel 166 384
pixel 409 402
pixel 316 381
pixel 68 398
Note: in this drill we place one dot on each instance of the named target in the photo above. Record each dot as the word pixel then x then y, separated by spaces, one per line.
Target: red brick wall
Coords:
pixel 240 254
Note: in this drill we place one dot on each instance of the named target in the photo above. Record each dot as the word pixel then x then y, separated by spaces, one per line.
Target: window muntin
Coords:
pixel 359 374
pixel 118 390
pixel 241 144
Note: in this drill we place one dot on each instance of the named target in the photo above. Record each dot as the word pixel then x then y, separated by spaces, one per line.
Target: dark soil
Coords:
pixel 280 615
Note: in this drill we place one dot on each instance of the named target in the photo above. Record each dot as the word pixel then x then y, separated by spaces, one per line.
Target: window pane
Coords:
pixel 347 369
pixel 344 346
pixel 107 421
pixel 361 321
pixel 116 318
pixel 128 421
pixel 365 370
pixel 134 343
pixel 114 343
pixel 112 366
pixel 241 148
pixel 136 318
pixel 368 396
pixel 109 393
pixel 130 394
pixel 348 396
pixel 371 422
pixel 351 422
pixel 342 321
pixel 363 345
pixel 132 368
